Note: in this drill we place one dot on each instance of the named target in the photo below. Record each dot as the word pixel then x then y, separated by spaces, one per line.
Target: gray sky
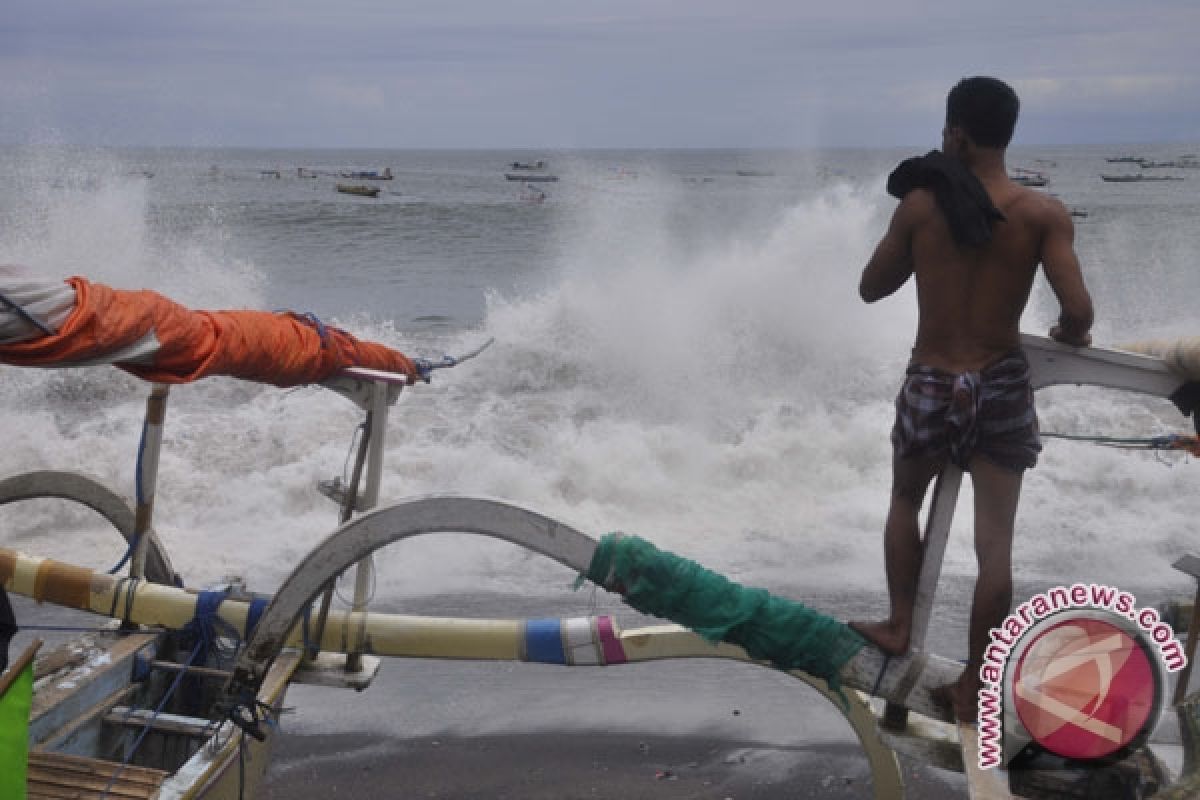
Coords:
pixel 559 73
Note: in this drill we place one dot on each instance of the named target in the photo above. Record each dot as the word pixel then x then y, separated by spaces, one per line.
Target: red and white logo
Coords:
pixel 1085 688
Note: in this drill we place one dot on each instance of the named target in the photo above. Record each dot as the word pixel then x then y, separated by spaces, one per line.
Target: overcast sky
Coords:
pixel 610 73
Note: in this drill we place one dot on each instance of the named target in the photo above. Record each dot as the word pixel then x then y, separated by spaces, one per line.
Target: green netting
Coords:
pixel 786 633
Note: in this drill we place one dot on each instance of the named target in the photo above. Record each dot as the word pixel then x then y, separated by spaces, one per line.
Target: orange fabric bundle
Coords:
pixel 281 349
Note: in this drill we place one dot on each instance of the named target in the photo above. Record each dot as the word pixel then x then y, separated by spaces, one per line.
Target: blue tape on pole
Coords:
pixel 257 606
pixel 543 641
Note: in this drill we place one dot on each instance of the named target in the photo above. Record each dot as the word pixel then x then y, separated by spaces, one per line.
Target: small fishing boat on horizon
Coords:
pixel 531 178
pixel 355 189
pixel 1137 177
pixel 1029 177
pixel 370 175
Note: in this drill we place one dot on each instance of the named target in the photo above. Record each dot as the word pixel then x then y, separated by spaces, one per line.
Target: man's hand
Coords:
pixel 1074 339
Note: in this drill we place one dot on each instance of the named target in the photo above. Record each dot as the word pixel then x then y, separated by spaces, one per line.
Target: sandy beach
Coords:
pixel 564 766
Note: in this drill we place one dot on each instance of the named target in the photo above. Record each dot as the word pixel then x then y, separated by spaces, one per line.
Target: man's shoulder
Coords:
pixel 918 203
pixel 1034 207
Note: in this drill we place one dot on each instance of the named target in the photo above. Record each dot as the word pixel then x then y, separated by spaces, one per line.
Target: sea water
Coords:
pixel 680 352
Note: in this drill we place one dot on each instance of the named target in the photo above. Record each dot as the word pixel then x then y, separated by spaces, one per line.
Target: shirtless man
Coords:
pixel 966 396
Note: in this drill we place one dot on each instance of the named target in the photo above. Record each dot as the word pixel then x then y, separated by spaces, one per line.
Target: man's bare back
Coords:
pixel 971 299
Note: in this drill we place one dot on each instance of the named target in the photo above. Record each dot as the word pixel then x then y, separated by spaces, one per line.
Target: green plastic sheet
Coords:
pixel 783 632
pixel 14 735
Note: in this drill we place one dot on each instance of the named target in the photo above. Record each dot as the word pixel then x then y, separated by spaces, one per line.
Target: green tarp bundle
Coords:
pixel 14 733
pixel 786 633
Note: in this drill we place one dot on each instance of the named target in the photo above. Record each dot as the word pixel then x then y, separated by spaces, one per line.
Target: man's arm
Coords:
pixel 892 263
pixel 1066 279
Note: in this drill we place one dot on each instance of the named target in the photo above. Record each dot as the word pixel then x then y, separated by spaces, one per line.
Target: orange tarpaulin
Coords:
pixel 174 344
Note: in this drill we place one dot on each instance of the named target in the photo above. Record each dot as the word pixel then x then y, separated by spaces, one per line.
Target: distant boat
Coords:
pixel 533 195
pixel 371 175
pixel 362 191
pixel 1137 177
pixel 1028 177
pixel 527 165
pixel 753 173
pixel 512 176
pixel 1030 180
pixel 1125 160
pixel 1182 163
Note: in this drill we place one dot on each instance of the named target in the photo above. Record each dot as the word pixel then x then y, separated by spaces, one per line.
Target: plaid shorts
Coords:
pixel 989 413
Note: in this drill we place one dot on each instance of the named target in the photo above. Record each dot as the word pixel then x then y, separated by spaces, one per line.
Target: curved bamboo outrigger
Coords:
pixel 99 498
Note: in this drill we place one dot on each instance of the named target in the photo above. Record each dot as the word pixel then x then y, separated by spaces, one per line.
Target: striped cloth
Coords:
pixel 990 413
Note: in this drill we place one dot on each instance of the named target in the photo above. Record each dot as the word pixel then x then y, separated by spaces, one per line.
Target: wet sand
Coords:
pixel 557 766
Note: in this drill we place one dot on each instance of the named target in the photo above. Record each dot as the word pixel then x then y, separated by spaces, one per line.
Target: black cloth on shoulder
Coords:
pixel 960 195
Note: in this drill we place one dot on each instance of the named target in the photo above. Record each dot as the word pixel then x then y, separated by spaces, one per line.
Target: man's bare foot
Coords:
pixel 887 636
pixel 959 699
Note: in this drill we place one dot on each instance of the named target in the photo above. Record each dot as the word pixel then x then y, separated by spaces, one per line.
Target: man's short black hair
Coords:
pixel 985 108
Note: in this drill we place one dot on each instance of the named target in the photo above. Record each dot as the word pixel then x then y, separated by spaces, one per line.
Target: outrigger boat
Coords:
pixel 1137 177
pixel 111 711
pixel 361 191
pixel 370 175
pixel 531 177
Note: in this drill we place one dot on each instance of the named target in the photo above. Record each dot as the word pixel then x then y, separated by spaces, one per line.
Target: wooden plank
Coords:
pixel 937 533
pixel 67 697
pixel 982 784
pixel 10 677
pixel 55 775
pixel 1190 565
pixel 1185 676
pixel 59 658
pixel 55 740
pixel 97 766
pixel 933 544
pixel 163 722
pixel 202 672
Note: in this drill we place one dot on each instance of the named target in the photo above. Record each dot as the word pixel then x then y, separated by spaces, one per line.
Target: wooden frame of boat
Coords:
pixel 216 747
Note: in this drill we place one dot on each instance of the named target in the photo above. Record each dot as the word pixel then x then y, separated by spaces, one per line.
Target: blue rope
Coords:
pixel 257 606
pixel 125 558
pixel 206 620
pixel 146 728
pixel 137 493
pixel 313 320
pixel 310 650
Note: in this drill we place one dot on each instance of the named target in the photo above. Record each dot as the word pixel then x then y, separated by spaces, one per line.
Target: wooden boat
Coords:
pixel 370 175
pixel 1138 177
pixel 362 191
pixel 1028 177
pixel 213 745
pixel 530 178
